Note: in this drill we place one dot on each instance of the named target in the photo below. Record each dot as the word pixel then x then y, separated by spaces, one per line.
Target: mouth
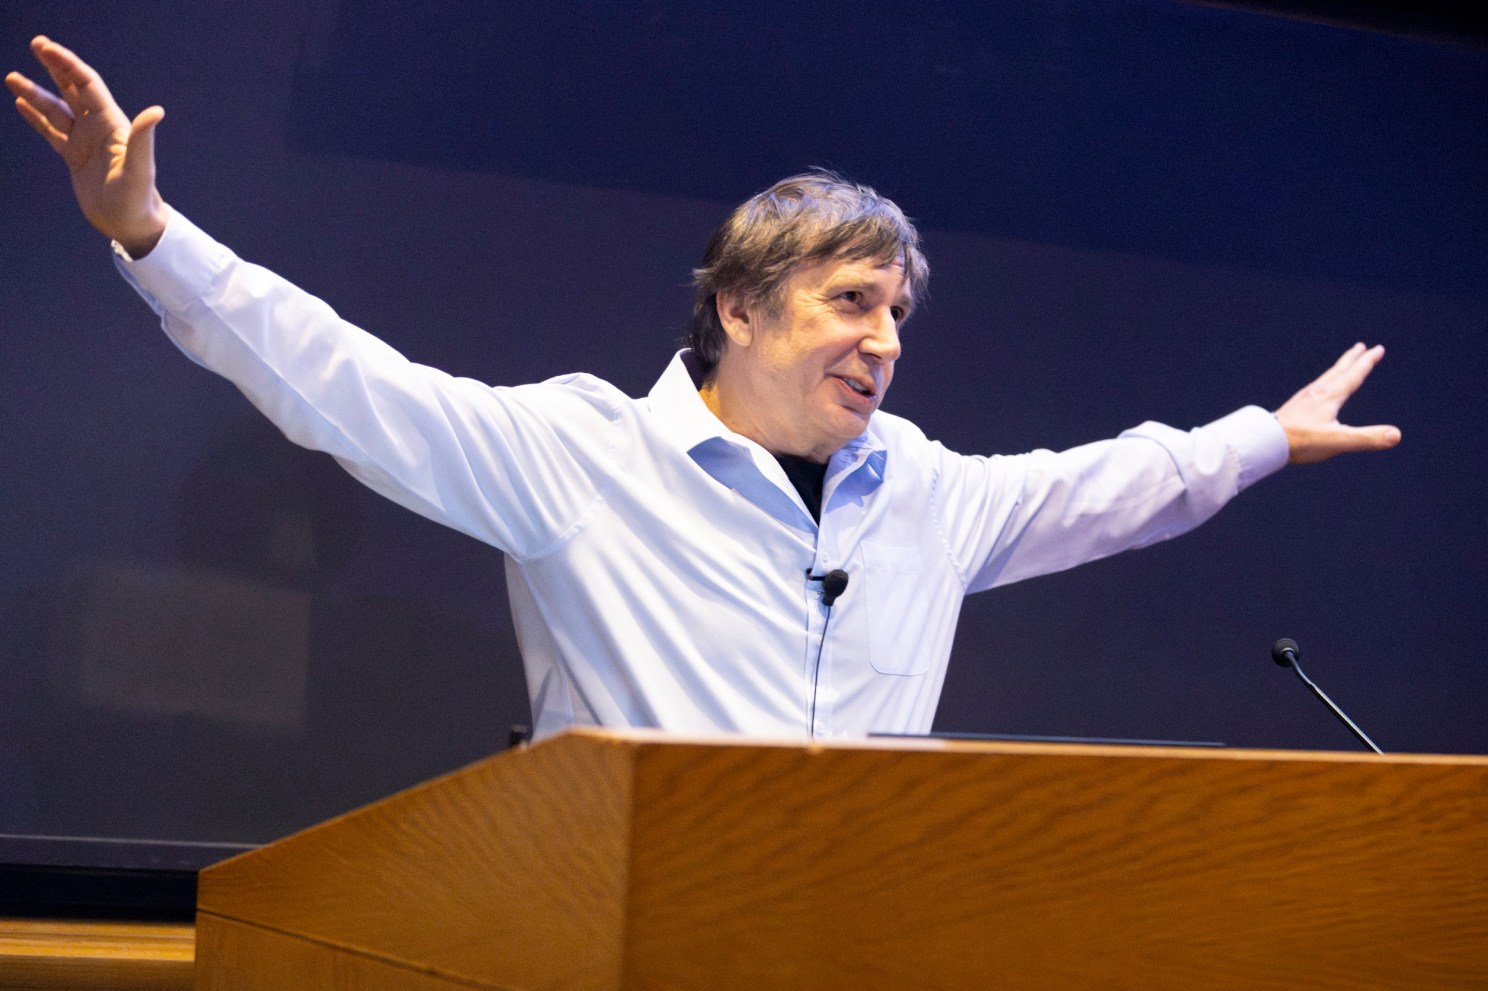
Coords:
pixel 860 388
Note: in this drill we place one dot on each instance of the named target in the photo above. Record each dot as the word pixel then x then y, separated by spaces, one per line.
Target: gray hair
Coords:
pixel 805 218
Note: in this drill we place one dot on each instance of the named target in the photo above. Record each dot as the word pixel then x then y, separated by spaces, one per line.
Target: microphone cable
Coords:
pixel 833 583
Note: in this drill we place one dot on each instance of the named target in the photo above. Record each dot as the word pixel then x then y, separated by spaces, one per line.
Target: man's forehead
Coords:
pixel 841 266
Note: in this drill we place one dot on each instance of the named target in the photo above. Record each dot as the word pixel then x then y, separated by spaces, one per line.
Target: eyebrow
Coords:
pixel 858 283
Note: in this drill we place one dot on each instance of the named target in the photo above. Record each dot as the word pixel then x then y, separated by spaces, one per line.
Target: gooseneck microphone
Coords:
pixel 1285 652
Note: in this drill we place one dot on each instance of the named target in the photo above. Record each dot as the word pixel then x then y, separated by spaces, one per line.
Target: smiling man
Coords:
pixel 806 380
pixel 678 560
pixel 800 299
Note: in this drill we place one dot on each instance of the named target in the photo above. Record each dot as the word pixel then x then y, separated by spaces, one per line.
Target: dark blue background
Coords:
pixel 1134 210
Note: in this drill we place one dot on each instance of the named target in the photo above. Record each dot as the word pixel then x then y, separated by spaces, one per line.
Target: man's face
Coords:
pixel 806 380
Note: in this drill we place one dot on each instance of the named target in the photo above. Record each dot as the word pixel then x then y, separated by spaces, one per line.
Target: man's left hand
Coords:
pixel 1310 418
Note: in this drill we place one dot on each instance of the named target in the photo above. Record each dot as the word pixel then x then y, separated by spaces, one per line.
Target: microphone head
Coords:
pixel 834 583
pixel 1285 652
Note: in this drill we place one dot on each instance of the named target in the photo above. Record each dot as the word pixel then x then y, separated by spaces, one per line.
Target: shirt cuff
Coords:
pixel 180 269
pixel 1257 440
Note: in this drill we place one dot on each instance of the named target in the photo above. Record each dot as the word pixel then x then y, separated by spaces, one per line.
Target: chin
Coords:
pixel 847 432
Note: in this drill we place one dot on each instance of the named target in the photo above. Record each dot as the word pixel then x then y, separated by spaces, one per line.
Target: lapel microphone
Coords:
pixel 833 583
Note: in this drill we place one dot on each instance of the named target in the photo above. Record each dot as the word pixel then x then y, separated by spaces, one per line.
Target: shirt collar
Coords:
pixel 680 411
pixel 743 465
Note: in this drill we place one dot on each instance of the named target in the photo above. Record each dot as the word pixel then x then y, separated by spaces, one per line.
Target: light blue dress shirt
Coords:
pixel 658 563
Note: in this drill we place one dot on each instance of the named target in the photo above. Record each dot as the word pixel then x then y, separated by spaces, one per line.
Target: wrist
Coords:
pixel 141 240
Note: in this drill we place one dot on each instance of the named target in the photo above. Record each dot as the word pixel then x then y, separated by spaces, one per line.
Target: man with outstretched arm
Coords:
pixel 677 560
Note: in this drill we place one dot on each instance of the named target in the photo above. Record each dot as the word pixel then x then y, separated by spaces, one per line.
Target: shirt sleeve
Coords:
pixel 1010 518
pixel 511 466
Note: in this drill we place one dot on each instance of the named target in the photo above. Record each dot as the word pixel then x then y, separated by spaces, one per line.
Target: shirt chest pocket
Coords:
pixel 895 633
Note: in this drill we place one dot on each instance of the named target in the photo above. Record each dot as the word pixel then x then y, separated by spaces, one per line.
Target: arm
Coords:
pixel 508 466
pixel 111 158
pixel 1044 512
pixel 1010 518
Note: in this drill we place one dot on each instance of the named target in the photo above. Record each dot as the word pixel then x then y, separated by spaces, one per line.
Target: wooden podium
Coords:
pixel 640 861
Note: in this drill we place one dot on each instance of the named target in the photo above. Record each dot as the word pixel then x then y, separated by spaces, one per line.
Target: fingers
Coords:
pixel 1312 446
pixel 46 114
pixel 1310 418
pixel 39 124
pixel 1346 359
pixel 1351 361
pixel 1359 361
pixel 139 159
pixel 146 121
pixel 77 83
pixel 1349 372
pixel 62 64
pixel 1379 437
pixel 1309 445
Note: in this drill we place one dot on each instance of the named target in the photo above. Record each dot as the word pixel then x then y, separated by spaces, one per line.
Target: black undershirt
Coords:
pixel 807 477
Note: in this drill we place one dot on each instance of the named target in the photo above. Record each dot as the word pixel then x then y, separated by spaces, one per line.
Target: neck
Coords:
pixel 735 416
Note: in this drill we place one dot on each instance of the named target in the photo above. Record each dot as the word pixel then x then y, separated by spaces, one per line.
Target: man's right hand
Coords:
pixel 112 159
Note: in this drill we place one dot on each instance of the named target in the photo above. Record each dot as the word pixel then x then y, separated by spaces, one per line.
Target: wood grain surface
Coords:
pixel 45 954
pixel 648 862
pixel 1056 868
pixel 509 873
pixel 253 959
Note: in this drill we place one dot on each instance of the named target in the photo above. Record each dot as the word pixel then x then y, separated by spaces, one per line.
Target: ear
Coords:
pixel 738 320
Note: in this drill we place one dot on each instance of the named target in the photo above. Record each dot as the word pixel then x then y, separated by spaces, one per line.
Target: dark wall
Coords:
pixel 1136 210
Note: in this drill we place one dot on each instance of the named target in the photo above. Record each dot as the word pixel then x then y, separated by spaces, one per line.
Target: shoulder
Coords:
pixel 573 394
pixel 895 432
pixel 907 446
pixel 579 413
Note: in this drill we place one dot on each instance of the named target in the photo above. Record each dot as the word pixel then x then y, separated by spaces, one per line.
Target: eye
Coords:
pixel 853 296
pixel 899 313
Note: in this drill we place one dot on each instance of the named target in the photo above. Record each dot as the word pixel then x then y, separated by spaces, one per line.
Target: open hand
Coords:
pixel 111 158
pixel 1310 418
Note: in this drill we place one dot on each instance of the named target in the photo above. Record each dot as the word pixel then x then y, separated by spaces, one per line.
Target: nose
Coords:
pixel 882 339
